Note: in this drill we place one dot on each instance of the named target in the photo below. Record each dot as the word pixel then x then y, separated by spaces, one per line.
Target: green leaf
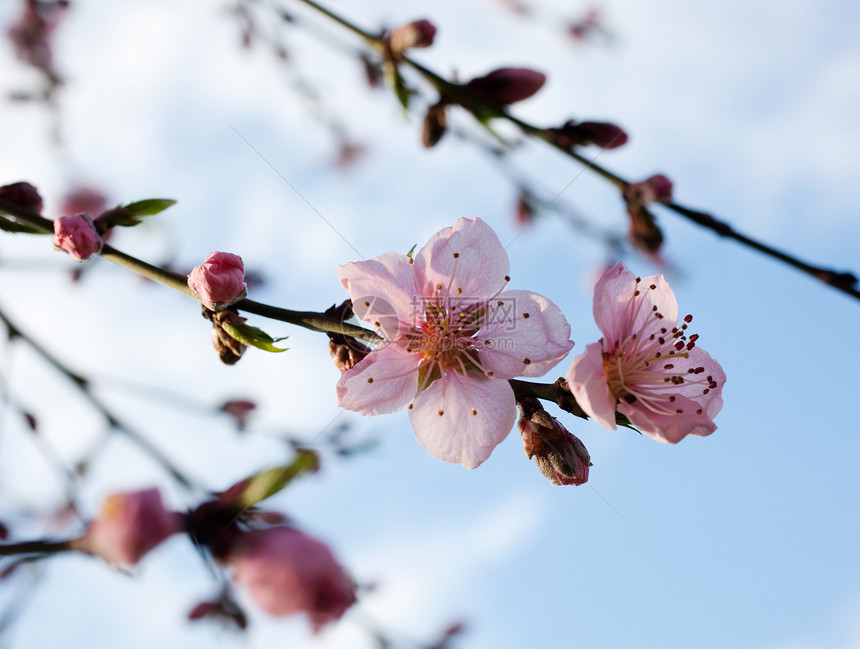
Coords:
pixel 622 420
pixel 267 483
pixel 132 213
pixel 248 335
pixel 149 206
pixel 411 250
pixel 401 90
pixel 12 226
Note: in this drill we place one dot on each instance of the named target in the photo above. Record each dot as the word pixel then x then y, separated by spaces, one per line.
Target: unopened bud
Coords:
pixel 77 236
pixel 644 232
pixel 84 199
pixel 229 349
pixel 346 351
pixel 419 33
pixel 23 194
pixel 656 188
pixel 219 281
pixel 435 125
pixel 508 85
pixel 558 454
pixel 240 410
pixel 602 134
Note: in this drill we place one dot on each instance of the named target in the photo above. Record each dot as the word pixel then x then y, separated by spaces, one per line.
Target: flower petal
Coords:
pixel 671 428
pixel 384 381
pixel 618 310
pixel 467 260
pixel 463 418
pixel 589 385
pixel 524 334
pixel 383 292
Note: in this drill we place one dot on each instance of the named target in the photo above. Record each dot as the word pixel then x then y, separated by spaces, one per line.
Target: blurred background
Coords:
pixel 263 127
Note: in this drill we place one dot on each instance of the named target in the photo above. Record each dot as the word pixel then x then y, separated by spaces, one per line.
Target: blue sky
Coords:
pixel 746 538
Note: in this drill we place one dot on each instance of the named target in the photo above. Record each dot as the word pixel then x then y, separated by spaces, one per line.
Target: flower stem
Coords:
pixel 40 546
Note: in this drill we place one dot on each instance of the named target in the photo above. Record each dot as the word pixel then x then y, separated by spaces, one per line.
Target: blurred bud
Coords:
pixel 419 33
pixel 4 532
pixel 508 85
pixel 130 525
pixel 656 188
pixel 219 281
pixel 345 350
pixel 83 199
pixel 77 236
pixel 435 125
pixel 348 154
pixel 224 608
pixel 285 572
pixel 602 134
pixel 240 410
pixel 558 454
pixel 229 349
pixel 644 232
pixel 525 211
pixel 24 195
pixel 583 28
pixel 372 72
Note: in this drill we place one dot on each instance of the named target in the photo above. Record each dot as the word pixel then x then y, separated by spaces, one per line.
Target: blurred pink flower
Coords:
pixel 508 85
pixel 33 30
pixel 130 525
pixel 286 572
pixel 645 365
pixel 83 199
pixel 219 281
pixel 452 337
pixel 77 236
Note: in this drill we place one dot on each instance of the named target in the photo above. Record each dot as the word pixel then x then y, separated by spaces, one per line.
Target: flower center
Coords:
pixel 650 364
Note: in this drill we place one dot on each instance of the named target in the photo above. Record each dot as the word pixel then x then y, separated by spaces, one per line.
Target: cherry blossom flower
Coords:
pixel 452 337
pixel 219 281
pixel 130 525
pixel 287 572
pixel 77 236
pixel 646 365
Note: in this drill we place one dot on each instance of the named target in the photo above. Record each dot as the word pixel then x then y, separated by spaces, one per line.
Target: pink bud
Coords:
pixel 434 126
pixel 419 33
pixel 130 525
pixel 23 194
pixel 219 281
pixel 656 188
pixel 286 572
pixel 77 236
pixel 602 134
pixel 508 85
pixel 83 199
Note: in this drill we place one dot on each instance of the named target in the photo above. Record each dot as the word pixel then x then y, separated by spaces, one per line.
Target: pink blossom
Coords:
pixel 130 525
pixel 646 366
pixel 418 33
pixel 77 236
pixel 32 32
pixel 452 337
pixel 286 572
pixel 219 281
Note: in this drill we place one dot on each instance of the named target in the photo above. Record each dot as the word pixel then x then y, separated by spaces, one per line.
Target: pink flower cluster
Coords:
pixel 647 366
pixel 452 337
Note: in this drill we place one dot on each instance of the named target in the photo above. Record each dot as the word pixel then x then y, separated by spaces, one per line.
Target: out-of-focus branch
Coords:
pixel 478 105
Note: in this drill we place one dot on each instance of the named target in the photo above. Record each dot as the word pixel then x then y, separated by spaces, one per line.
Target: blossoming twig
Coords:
pixel 845 282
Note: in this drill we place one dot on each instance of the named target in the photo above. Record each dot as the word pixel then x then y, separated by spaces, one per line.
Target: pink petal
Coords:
pixel 467 260
pixel 618 311
pixel 525 335
pixel 384 381
pixel 382 290
pixel 589 385
pixel 671 428
pixel 698 386
pixel 463 418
